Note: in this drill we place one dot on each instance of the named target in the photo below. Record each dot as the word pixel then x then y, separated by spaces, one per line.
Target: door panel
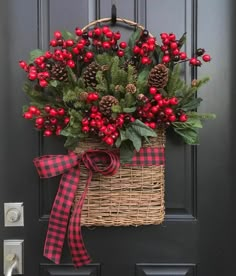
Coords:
pixel 197 236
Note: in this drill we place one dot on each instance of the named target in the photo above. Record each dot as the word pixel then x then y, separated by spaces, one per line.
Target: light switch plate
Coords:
pixel 13 214
pixel 13 247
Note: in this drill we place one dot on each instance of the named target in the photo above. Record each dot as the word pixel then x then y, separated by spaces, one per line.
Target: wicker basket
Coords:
pixel 133 196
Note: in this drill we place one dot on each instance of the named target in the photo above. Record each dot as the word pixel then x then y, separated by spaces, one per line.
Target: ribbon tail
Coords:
pixel 59 216
pixel 79 253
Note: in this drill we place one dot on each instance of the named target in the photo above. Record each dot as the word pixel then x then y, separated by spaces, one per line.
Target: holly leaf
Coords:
pixel 126 152
pixel 116 108
pixel 189 135
pixel 143 75
pixel 190 123
pixel 35 54
pixel 141 129
pixel 54 83
pixel 133 136
pixel 121 138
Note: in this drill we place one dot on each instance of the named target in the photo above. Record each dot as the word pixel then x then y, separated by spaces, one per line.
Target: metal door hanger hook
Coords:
pixel 113 14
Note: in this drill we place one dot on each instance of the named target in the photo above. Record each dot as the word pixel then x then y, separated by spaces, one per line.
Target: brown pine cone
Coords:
pixel 106 104
pixel 130 88
pixel 158 77
pixel 58 71
pixel 89 74
pixel 83 96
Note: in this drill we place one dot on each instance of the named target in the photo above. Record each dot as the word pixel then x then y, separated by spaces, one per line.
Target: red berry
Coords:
pixel 173 45
pixel 94 109
pixel 123 45
pixel 89 55
pixel 47 108
pixel 75 50
pixel 164 35
pixel 158 97
pixel 168 111
pixel 78 31
pixel 69 42
pixel 109 34
pixel 53 43
pixel 90 34
pixel 39 120
pixel 152 125
pixel 145 60
pixel 151 47
pixel 166 41
pixel 61 111
pixel 117 35
pixel 172 118
pixel 183 118
pixel 136 50
pixel 22 64
pixel 66 120
pixel 206 58
pixel 92 123
pixel 46 74
pixel 32 109
pixel 160 103
pixel 71 63
pixel 166 59
pixel 173 101
pixel 105 29
pixel 32 76
pixel 57 35
pixel 151 40
pixel 165 101
pixel 28 115
pixel 85 122
pixel 120 53
pixel 53 120
pixel 106 45
pixel 175 52
pixel 183 55
pixel 155 109
pixel 109 141
pixel 172 37
pixel 47 132
pixel 152 90
pixel 97 31
pixel 53 112
pixel 164 48
pixel 193 61
pixel 43 83
pixel 80 45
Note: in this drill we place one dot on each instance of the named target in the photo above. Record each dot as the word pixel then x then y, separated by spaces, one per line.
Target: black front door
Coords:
pixel 197 236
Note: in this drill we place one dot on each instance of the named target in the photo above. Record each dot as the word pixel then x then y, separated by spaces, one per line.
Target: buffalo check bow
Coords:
pixel 69 166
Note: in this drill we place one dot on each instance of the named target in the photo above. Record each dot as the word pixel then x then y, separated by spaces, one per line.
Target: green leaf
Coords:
pixel 134 37
pixel 116 108
pixel 190 123
pixel 35 54
pixel 193 104
pixel 182 40
pixel 201 116
pixel 134 136
pixel 143 130
pixel 54 83
pixel 67 35
pixel 189 135
pixel 143 76
pixel 126 151
pixel 129 109
pixel 71 142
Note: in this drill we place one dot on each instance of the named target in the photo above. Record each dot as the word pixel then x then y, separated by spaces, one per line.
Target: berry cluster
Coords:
pixel 144 48
pixel 50 120
pixel 158 111
pixel 172 52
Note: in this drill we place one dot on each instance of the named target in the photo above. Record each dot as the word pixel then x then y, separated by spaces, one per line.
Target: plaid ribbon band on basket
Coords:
pixel 101 161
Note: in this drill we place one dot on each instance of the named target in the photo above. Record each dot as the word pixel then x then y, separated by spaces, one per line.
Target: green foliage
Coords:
pixel 103 59
pixel 131 74
pixel 130 100
pixel 67 35
pixel 118 75
pixel 35 54
pixel 102 84
pixel 201 116
pixel 71 142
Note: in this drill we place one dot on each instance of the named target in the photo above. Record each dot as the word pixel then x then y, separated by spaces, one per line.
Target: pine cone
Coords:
pixel 58 71
pixel 83 96
pixel 158 77
pixel 106 103
pixel 89 74
pixel 130 88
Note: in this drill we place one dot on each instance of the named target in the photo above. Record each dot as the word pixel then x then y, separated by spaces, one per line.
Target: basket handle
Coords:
pixel 118 19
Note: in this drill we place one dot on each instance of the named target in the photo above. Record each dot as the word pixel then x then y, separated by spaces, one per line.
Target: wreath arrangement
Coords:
pixel 113 101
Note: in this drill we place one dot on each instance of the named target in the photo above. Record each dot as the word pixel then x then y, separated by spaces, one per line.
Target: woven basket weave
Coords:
pixel 133 196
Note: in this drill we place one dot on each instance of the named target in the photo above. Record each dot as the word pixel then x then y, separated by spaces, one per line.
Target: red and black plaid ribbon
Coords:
pixel 69 165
